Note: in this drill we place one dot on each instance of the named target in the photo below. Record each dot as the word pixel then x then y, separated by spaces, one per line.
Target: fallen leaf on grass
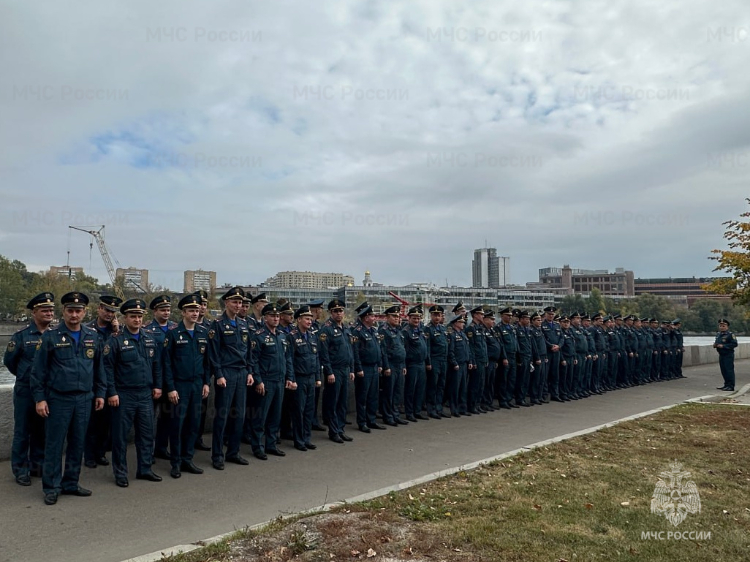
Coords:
pixel 537 507
pixel 408 551
pixel 355 552
pixel 371 553
pixel 589 506
pixel 625 504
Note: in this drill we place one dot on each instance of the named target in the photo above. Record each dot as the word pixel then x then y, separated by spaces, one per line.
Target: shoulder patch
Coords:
pixel 211 334
pixel 12 345
pixel 252 344
pixel 323 337
pixel 166 343
pixel 39 345
pixel 106 349
pixel 470 333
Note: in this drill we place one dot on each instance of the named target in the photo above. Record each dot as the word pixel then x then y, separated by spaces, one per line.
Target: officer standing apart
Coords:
pixel 133 369
pixel 228 349
pixel 186 382
pixel 68 375
pixel 395 352
pixel 338 369
pixel 725 345
pixel 370 361
pixel 273 371
pixel 438 336
pixel 417 346
pixel 27 452
pixel 306 362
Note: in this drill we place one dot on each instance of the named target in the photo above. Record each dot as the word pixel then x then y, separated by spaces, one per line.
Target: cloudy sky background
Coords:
pixel 254 137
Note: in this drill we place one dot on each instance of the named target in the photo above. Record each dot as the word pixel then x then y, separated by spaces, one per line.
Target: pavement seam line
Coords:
pixel 156 556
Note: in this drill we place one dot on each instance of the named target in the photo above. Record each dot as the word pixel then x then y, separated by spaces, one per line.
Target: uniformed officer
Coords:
pixel 568 361
pixel 582 356
pixel 370 361
pixel 631 349
pixel 228 348
pixel 306 362
pixel 68 375
pixel 186 383
pixel 273 371
pixel 668 353
pixel 27 452
pixel 538 376
pixel 316 307
pixel 460 361
pixel 647 352
pixel 613 357
pixel 161 307
pixel 725 345
pixel 494 360
pixel 436 378
pixel 593 358
pixel 554 338
pixel 98 434
pixel 337 359
pixel 528 359
pixel 254 323
pixel 679 347
pixel 478 341
pixel 417 346
pixel 506 376
pixel 658 344
pixel 286 324
pixel 393 377
pixel 600 345
pixel 206 323
pixel 134 381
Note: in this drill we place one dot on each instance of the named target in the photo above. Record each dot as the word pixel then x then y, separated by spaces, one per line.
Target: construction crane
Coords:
pixel 98 235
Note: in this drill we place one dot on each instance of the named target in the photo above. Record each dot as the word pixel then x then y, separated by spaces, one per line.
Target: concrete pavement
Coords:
pixel 116 524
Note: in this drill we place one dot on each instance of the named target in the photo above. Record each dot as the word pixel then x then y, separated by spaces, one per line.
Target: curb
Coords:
pixel 183 548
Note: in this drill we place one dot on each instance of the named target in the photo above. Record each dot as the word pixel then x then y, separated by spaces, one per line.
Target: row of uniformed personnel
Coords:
pixel 257 359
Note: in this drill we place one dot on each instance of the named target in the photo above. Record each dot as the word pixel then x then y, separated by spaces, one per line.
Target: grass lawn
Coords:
pixel 587 498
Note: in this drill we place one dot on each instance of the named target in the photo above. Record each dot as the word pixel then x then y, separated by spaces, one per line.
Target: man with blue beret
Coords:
pixel 67 377
pixel 27 451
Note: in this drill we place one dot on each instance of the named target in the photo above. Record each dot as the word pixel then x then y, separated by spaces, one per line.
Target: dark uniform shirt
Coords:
pixel 552 335
pixel 271 356
pixel 368 348
pixel 64 366
pixel 568 347
pixel 728 341
pixel 539 341
pixel 306 359
pixel 478 341
pixel 508 339
pixel 131 362
pixel 495 352
pixel 393 344
pixel 335 348
pixel 228 345
pixel 417 345
pixel 459 349
pixel 527 348
pixel 185 357
pixel 103 333
pixel 19 355
pixel 438 336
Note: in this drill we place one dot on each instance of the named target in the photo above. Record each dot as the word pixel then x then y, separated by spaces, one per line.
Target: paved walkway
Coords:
pixel 116 524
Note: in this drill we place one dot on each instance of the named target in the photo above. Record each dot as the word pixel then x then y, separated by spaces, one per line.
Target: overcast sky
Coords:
pixel 252 137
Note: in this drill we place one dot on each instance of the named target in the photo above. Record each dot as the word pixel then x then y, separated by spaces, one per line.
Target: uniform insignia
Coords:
pixel 166 343
pixel 150 352
pixel 203 349
pixel 211 334
pixel 39 345
pixel 63 338
pixel 12 345
pixel 90 353
pixel 252 344
pixel 244 338
pixel 323 337
pixel 469 334
pixel 106 350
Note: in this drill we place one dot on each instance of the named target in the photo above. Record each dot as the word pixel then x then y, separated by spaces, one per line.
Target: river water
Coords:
pixel 6 378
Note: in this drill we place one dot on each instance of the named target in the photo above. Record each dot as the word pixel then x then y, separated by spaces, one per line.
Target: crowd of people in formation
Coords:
pixel 278 372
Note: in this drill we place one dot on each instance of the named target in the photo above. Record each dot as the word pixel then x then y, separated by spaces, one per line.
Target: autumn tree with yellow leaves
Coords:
pixel 735 261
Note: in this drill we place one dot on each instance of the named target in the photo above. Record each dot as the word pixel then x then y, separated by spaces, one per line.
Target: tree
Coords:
pixel 595 302
pixel 12 287
pixel 735 261
pixel 573 303
pixel 654 306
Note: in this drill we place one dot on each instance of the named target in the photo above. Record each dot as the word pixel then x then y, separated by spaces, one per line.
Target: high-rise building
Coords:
pixel 199 279
pixel 489 270
pixel 66 271
pixel 134 279
pixel 309 280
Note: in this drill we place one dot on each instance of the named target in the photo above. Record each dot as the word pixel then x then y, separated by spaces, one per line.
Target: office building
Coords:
pixel 134 279
pixel 199 279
